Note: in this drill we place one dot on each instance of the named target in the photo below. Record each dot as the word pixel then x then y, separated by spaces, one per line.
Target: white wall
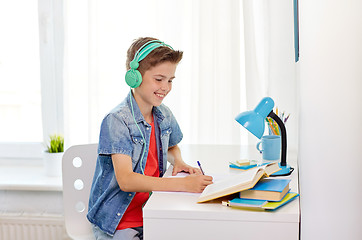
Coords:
pixel 330 149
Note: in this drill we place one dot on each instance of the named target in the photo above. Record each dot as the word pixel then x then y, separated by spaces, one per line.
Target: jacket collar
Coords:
pixel 137 112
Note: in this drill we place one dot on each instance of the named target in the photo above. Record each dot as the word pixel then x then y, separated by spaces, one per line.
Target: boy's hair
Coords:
pixel 157 56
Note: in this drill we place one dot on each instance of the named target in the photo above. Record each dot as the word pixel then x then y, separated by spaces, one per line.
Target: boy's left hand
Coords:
pixel 183 167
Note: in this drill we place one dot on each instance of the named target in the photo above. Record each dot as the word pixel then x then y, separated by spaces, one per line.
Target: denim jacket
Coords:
pixel 120 134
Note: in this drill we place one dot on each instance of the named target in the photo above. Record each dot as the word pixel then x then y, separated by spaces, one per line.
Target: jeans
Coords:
pixel 125 234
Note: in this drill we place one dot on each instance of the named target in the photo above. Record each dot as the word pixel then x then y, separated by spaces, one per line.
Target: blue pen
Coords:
pixel 200 168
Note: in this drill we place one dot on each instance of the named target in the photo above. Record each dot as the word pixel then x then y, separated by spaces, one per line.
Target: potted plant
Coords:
pixel 53 156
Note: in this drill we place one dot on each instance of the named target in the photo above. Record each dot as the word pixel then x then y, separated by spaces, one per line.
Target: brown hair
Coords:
pixel 157 56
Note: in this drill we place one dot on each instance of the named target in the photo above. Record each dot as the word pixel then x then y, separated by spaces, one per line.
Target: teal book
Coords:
pixel 241 202
pixel 267 189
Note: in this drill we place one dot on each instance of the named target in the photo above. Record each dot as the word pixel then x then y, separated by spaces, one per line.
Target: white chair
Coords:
pixel 78 168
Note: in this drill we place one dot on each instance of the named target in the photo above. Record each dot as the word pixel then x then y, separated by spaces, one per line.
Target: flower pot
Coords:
pixel 53 164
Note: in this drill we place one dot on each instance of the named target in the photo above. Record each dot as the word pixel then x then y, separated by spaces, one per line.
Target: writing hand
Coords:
pixel 197 183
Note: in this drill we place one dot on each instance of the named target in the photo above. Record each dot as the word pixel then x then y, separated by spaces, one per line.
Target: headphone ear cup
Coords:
pixel 133 78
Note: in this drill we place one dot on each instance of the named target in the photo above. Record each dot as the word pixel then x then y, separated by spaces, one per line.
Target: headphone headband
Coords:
pixel 133 76
pixel 146 49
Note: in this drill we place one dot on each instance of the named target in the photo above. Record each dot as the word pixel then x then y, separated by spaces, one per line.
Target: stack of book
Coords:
pixel 254 190
pixel 269 194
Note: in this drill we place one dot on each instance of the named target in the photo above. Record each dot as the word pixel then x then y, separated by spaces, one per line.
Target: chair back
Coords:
pixel 78 165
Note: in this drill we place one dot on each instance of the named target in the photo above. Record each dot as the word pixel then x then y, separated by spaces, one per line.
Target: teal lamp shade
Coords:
pixel 253 120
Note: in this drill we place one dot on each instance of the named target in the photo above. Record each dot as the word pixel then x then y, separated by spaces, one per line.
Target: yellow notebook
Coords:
pixel 259 204
pixel 237 182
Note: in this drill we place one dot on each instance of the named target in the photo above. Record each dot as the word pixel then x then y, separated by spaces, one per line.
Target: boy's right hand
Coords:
pixel 197 183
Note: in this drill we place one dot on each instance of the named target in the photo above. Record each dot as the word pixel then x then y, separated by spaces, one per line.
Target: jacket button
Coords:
pixel 118 214
pixel 130 194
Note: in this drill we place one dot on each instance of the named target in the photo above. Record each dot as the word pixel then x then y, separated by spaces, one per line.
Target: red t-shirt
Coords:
pixel 133 215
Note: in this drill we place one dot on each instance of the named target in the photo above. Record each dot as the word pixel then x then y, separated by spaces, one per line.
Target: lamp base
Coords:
pixel 285 171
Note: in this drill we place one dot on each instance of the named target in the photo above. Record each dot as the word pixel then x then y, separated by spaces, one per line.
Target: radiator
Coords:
pixel 32 227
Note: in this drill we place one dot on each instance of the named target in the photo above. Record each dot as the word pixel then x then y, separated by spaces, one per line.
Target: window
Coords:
pixel 31 92
pixel 20 95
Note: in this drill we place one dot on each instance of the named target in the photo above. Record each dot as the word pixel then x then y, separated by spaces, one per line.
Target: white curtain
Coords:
pixel 212 85
pixel 207 92
pixel 269 60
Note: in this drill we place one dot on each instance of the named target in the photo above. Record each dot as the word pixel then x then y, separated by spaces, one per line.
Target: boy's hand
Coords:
pixel 183 167
pixel 197 183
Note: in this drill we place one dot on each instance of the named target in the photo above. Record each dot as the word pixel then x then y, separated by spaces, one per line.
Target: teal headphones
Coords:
pixel 133 76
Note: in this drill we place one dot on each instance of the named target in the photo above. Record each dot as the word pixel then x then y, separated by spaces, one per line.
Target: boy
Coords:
pixel 136 138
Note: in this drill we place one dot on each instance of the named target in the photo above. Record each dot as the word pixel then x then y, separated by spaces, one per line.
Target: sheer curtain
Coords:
pixel 209 89
pixel 235 53
pixel 269 59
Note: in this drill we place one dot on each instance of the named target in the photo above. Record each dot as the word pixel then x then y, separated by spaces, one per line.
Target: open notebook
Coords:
pixel 237 182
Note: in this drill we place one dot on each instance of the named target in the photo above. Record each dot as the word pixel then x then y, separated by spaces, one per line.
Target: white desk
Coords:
pixel 178 216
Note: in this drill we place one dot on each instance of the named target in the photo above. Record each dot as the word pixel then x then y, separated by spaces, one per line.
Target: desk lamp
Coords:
pixel 253 121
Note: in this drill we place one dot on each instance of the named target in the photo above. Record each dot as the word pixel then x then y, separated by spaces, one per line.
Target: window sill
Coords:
pixel 27 177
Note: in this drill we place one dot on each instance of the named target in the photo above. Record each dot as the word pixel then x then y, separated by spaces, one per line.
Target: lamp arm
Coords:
pixel 283 133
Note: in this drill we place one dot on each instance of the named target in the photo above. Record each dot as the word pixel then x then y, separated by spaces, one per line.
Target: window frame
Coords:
pixel 51 50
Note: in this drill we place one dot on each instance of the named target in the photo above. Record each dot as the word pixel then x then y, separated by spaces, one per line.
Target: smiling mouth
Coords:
pixel 160 95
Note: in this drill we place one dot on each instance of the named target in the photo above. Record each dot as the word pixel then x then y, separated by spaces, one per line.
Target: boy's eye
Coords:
pixel 170 81
pixel 158 79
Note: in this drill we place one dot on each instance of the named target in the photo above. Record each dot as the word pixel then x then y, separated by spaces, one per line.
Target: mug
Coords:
pixel 271 147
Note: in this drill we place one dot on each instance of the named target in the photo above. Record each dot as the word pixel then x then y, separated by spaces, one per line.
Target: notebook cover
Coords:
pixel 269 206
pixel 275 205
pixel 275 185
pixel 247 202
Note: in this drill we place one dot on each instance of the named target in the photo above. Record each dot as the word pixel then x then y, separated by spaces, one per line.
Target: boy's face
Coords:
pixel 156 84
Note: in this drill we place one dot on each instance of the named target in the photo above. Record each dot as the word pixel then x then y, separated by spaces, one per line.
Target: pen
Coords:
pixel 200 168
pixel 285 120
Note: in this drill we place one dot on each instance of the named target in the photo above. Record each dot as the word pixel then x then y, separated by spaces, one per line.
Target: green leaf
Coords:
pixel 56 143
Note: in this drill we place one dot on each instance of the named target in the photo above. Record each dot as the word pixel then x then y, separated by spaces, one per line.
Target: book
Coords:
pixel 242 202
pixel 267 189
pixel 270 206
pixel 237 182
